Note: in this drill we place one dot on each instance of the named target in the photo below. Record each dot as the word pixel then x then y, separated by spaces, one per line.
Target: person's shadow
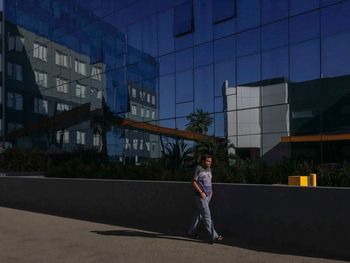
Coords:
pixel 135 233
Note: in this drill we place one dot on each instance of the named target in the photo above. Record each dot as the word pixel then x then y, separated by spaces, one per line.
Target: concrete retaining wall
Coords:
pixel 311 221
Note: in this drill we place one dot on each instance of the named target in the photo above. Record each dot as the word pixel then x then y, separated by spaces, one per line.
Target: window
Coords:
pixel 61 59
pixel 96 139
pixel 148 98
pixel 62 85
pixel 80 67
pixel 153 115
pixel 41 78
pixel 40 51
pixel 99 94
pixel 14 71
pixel 142 112
pixel 147 113
pixel 127 143
pixel 223 10
pixel 183 19
pixel 14 101
pixel 134 143
pixel 148 146
pixel 133 92
pixel 80 137
pixel 62 136
pixel 141 144
pixel 41 106
pixel 96 73
pixel 153 100
pixel 133 110
pixel 62 107
pixel 15 43
pixel 80 91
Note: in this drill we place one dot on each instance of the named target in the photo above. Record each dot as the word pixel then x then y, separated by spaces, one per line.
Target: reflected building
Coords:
pixel 286 63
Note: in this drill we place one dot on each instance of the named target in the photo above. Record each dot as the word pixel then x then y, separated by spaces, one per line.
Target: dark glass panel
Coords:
pixel 225 28
pixel 248 42
pixel 223 10
pixel 167 64
pixel 203 21
pixel 248 69
pixel 274 35
pixel 165 36
pixel 184 109
pixel 248 14
pixel 305 101
pixel 149 36
pixel 300 6
pixel 224 71
pixel 304 27
pixel 220 127
pixel 329 2
pixel 134 42
pixel 184 59
pixel 167 97
pixel 224 49
pixel 272 10
pixel 184 86
pixel 203 88
pixel 203 54
pixel 305 61
pixel 336 55
pixel 275 63
pixel 183 19
pixel 336 19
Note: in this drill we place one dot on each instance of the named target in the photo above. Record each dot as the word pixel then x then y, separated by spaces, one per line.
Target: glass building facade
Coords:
pixel 273 74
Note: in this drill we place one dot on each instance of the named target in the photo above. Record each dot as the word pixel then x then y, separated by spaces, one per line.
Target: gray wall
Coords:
pixel 308 221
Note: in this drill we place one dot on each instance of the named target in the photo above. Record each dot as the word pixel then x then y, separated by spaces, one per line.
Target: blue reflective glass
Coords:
pixel 274 35
pixel 248 69
pixel 224 49
pixel 183 19
pixel 203 54
pixel 304 27
pixel 272 10
pixel 166 64
pixel 329 2
pixel 248 42
pixel 165 36
pixel 149 36
pixel 248 14
pixel 184 86
pixel 275 63
pixel 203 21
pixel 336 55
pixel 135 42
pixel 184 109
pixel 183 42
pixel 203 88
pixel 336 19
pixel 184 59
pixel 300 6
pixel 219 104
pixel 219 122
pixel 225 28
pixel 223 10
pixel 167 96
pixel 305 61
pixel 224 71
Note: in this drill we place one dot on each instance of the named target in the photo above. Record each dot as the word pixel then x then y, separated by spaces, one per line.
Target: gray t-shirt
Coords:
pixel 203 177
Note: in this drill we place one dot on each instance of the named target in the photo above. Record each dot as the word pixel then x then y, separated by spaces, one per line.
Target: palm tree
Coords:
pixel 175 154
pixel 199 121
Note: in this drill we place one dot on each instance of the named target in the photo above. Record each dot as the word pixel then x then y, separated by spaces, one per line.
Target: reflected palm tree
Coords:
pixel 199 121
pixel 176 153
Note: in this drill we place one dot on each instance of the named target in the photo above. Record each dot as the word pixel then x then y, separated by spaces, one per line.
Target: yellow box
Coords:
pixel 298 180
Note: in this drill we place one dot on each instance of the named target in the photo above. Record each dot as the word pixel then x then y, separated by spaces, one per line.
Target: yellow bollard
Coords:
pixel 298 180
pixel 312 180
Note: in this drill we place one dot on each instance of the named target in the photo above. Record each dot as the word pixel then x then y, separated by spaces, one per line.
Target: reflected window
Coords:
pixel 40 51
pixel 80 67
pixel 14 101
pixel 133 109
pixel 41 106
pixel 41 78
pixel 96 73
pixel 61 59
pixel 183 19
pixel 15 43
pixel 80 91
pixel 97 140
pixel 62 136
pixel 62 85
pixel 81 137
pixel 63 107
pixel 14 71
pixel 223 10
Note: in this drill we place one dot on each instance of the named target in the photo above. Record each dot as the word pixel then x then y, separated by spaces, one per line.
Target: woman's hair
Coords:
pixel 205 156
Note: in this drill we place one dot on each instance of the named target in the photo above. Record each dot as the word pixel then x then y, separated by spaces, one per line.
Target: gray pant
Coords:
pixel 203 215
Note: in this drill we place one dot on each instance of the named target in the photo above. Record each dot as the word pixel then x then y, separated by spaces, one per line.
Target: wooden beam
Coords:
pixel 316 138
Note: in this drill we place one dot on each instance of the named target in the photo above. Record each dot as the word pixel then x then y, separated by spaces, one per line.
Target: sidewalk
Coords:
pixel 27 237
